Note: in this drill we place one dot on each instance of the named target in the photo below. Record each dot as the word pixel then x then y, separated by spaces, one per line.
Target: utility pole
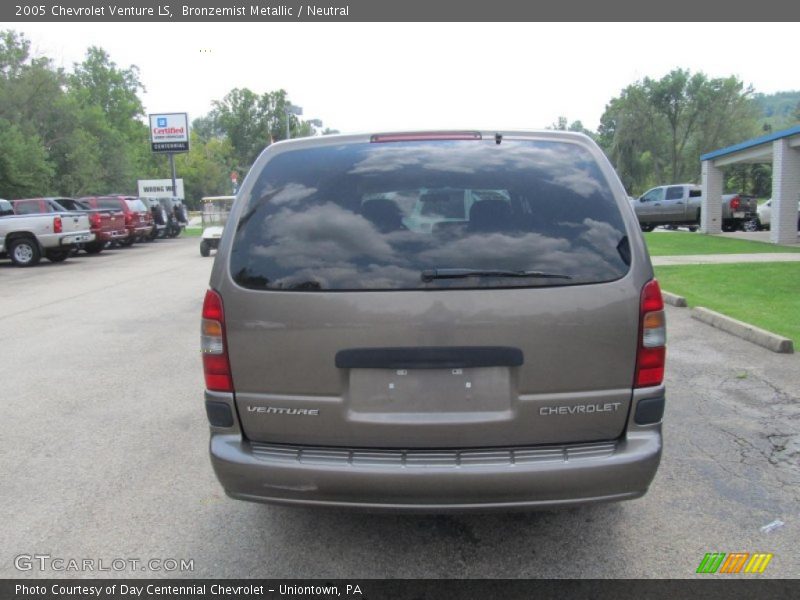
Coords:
pixel 291 109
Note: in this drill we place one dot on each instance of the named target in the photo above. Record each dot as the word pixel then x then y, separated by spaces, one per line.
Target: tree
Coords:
pixel 97 81
pixel 111 113
pixel 563 125
pixel 31 96
pixel 656 130
pixel 206 168
pixel 24 168
pixel 252 122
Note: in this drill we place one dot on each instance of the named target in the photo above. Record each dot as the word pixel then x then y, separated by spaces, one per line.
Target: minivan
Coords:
pixel 434 321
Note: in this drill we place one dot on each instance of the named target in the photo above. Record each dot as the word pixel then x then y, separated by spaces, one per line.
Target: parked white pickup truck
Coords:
pixel 26 238
pixel 679 205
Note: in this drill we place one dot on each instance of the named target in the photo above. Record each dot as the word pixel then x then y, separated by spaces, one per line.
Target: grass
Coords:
pixel 681 243
pixel 766 295
pixel 192 232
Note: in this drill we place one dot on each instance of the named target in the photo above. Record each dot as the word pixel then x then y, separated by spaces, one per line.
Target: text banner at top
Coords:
pixel 400 10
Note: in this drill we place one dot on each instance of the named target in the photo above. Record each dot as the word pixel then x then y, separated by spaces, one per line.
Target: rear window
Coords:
pixel 28 207
pixel 109 203
pixel 385 216
pixel 55 205
pixel 136 205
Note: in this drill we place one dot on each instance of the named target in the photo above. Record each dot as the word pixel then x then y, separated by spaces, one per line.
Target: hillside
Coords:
pixel 780 110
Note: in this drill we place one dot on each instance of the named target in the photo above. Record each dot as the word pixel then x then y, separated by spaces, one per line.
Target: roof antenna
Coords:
pixel 498 138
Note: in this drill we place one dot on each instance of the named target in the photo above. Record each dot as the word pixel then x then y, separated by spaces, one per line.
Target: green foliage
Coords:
pixel 252 122
pixel 778 111
pixel 86 125
pixel 206 168
pixel 563 125
pixel 751 179
pixel 656 130
pixel 24 168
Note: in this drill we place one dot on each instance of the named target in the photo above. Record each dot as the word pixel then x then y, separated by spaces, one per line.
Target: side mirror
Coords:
pixel 642 199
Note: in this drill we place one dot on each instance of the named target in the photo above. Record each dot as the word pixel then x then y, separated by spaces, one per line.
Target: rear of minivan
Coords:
pixel 434 321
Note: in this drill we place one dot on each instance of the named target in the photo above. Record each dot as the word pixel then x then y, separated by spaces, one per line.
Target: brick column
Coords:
pixel 785 192
pixel 711 213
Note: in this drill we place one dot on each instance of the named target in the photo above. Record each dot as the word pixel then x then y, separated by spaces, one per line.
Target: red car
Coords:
pixel 108 225
pixel 138 220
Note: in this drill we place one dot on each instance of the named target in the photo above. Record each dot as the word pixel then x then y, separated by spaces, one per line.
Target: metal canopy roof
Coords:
pixel 754 150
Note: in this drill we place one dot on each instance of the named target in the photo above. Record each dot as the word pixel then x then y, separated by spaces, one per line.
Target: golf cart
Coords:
pixel 215 213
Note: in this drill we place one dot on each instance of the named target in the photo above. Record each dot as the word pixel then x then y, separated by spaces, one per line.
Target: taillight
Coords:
pixel 652 343
pixel 128 218
pixel 212 342
pixel 735 203
pixel 95 220
pixel 57 225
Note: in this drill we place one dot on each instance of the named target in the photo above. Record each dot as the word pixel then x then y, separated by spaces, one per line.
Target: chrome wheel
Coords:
pixel 23 253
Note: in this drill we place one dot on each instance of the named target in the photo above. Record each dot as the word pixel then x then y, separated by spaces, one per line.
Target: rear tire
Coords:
pixel 751 225
pixel 24 252
pixel 94 247
pixel 128 241
pixel 729 227
pixel 57 256
pixel 646 227
pixel 205 248
pixel 693 228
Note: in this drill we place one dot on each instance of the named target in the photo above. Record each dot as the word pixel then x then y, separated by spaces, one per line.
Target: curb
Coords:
pixel 674 299
pixel 751 333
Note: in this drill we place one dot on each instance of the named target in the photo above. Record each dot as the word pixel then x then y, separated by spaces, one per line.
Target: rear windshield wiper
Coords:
pixel 431 274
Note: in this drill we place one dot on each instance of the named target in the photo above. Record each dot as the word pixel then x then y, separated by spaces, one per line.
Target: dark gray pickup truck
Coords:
pixel 679 205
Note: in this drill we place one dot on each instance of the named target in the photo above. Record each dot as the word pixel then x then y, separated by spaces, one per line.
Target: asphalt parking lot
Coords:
pixel 103 452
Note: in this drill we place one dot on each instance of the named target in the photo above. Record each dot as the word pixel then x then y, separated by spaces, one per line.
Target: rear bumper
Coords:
pixel 80 237
pixel 536 477
pixel 742 215
pixel 138 230
pixel 107 236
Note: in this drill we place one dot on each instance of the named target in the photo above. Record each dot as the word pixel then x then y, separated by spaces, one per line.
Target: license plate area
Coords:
pixel 446 390
pixel 75 239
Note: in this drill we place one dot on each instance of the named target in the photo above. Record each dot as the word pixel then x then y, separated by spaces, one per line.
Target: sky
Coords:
pixel 366 77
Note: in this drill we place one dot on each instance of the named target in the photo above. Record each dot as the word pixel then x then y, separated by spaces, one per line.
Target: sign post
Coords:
pixel 169 133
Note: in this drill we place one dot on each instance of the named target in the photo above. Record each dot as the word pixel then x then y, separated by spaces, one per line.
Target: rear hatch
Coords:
pixel 741 206
pixel 140 214
pixel 106 221
pixel 116 221
pixel 73 222
pixel 431 294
